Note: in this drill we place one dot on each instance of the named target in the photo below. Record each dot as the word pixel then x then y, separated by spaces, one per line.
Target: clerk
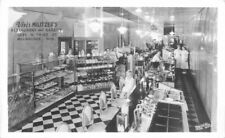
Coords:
pixel 156 60
pixel 157 57
pixel 129 85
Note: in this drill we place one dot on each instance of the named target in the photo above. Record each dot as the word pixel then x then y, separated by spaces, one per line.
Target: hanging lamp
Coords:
pixel 138 31
pixel 122 29
pixel 95 25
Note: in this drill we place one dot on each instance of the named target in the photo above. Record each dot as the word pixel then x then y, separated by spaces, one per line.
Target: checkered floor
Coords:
pixel 69 112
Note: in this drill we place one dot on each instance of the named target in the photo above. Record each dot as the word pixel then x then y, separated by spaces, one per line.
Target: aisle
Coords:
pixel 195 117
pixel 68 111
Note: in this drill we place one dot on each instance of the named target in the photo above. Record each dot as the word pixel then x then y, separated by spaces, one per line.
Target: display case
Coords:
pixel 94 73
pixel 49 75
pixel 20 98
pixel 47 81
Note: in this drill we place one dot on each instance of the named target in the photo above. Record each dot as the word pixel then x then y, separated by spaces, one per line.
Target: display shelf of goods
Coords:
pixel 46 81
pixel 87 87
pixel 42 94
pixel 44 76
pixel 40 73
pixel 95 67
pixel 46 86
pixel 94 74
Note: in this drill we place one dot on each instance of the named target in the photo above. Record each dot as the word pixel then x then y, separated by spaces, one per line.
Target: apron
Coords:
pixel 177 56
pixel 184 59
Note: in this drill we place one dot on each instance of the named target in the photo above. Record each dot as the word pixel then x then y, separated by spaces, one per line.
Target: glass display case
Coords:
pixel 20 98
pixel 50 79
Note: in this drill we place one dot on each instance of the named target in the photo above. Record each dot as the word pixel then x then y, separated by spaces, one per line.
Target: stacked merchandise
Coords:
pixel 46 82
pixel 96 73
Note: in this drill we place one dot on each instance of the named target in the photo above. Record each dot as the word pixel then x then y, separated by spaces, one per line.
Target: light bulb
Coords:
pixel 138 32
pixel 172 18
pixel 122 29
pixel 95 26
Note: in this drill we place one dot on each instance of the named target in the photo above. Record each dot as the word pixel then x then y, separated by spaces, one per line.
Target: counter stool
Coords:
pixel 88 121
pixel 106 113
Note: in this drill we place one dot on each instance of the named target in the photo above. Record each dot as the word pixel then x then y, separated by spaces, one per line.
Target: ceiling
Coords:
pixel 157 15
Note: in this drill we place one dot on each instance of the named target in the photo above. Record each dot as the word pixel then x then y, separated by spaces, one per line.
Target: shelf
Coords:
pixel 47 87
pixel 85 76
pixel 51 71
pixel 93 91
pixel 45 81
pixel 105 62
pixel 92 82
pixel 96 68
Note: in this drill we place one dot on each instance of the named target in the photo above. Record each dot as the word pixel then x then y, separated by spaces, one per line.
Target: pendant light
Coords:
pixel 122 29
pixel 138 31
pixel 95 24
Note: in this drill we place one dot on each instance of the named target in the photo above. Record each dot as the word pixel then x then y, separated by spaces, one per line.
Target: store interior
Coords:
pixel 112 69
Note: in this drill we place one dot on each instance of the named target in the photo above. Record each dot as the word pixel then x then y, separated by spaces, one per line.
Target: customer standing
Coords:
pixel 184 59
pixel 177 56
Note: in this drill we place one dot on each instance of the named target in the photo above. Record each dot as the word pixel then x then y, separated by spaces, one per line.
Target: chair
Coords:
pixel 63 127
pixel 87 116
pixel 88 120
pixel 106 113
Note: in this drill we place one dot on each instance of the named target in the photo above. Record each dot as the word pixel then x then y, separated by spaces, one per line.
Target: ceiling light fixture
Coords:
pixel 95 25
pixel 152 20
pixel 122 29
pixel 172 18
pixel 138 31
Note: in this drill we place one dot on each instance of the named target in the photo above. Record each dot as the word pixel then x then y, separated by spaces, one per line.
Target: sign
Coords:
pixel 35 30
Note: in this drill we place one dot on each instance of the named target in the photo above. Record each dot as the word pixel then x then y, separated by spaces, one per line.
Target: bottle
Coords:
pixel 142 92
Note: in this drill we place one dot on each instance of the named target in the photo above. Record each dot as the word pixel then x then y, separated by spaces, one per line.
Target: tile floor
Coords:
pixel 69 112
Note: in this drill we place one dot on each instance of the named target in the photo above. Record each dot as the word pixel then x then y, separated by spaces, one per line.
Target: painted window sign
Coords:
pixel 35 30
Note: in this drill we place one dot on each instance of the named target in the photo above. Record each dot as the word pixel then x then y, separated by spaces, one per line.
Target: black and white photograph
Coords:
pixel 120 69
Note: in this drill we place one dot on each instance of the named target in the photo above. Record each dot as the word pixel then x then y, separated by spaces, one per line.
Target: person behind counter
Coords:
pixel 156 60
pixel 184 60
pixel 177 56
pixel 157 57
pixel 129 84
